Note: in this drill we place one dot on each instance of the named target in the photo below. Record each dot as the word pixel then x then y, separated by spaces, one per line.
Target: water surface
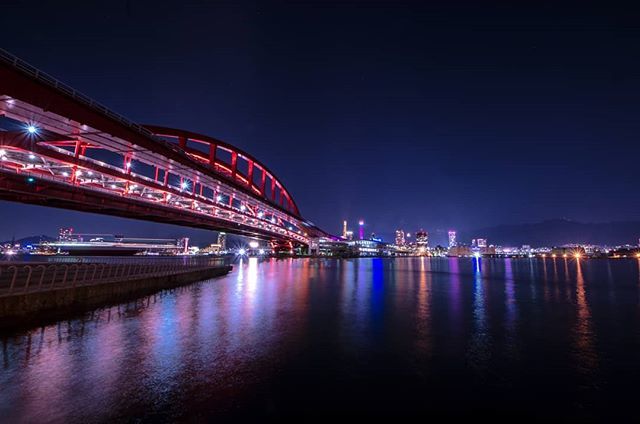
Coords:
pixel 312 338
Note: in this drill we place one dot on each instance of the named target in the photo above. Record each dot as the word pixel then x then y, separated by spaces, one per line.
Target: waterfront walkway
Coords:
pixel 18 278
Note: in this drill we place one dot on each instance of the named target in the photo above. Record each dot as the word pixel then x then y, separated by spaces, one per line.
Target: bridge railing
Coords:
pixel 47 79
pixel 26 278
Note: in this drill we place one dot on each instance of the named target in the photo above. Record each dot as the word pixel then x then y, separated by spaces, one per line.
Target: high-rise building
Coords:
pixel 361 229
pixel 422 238
pixel 452 239
pixel 344 229
pixel 481 242
pixel 184 245
pixel 222 241
pixel 349 235
pixel 400 238
pixel 65 234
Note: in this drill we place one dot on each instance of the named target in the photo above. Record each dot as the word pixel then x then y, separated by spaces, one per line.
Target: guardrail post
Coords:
pixel 64 277
pixel 26 284
pixel 15 274
pixel 44 271
pixel 53 279
pixel 75 275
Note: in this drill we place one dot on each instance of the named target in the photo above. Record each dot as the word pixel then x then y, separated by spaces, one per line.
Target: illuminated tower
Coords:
pixel 422 238
pixel 400 238
pixel 361 229
pixel 65 234
pixel 344 229
pixel 452 239
pixel 222 241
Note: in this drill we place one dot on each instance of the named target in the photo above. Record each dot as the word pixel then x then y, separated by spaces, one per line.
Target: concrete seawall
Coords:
pixel 18 308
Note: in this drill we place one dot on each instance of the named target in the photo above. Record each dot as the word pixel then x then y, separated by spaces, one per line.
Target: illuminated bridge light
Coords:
pixel 65 174
pixel 3 152
pixel 78 173
pixel 32 129
pixel 32 156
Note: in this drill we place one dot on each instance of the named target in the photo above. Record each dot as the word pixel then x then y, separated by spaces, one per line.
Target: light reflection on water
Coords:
pixel 397 336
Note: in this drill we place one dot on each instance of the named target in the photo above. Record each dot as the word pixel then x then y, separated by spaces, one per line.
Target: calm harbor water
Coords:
pixel 312 338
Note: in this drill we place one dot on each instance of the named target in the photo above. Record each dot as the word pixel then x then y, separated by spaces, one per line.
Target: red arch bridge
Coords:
pixel 60 148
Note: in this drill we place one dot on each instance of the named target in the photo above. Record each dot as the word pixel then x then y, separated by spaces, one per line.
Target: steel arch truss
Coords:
pixel 59 148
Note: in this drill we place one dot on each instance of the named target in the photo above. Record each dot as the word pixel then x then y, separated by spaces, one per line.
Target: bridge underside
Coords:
pixel 28 190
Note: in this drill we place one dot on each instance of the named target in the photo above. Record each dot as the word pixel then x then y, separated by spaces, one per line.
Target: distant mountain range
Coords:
pixel 558 232
pixel 30 240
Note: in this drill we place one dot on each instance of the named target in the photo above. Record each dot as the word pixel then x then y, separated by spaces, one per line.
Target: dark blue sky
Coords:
pixel 408 115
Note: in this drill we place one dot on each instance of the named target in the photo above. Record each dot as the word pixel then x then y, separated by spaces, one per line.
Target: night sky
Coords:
pixel 408 115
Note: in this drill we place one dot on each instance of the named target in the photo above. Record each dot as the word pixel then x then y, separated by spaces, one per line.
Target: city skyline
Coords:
pixel 459 121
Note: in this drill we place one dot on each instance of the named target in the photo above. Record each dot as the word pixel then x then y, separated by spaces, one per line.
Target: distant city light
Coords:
pixel 242 252
pixel 253 244
pixel 476 254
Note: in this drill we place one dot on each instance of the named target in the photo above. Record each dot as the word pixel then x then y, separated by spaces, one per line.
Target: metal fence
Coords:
pixel 23 278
